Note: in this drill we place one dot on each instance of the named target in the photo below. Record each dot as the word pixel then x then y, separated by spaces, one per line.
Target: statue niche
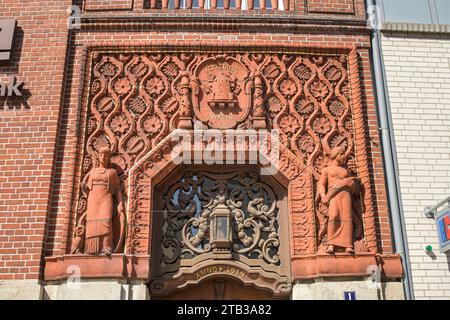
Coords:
pixel 95 231
pixel 337 189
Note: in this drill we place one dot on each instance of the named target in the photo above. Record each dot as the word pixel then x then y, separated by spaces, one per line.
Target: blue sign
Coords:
pixel 443 227
pixel 350 295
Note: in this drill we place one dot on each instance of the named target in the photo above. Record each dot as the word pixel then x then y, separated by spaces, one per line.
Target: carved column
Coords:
pixel 185 104
pixel 259 119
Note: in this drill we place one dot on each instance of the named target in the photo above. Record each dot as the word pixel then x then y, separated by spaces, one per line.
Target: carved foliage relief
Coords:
pixel 135 100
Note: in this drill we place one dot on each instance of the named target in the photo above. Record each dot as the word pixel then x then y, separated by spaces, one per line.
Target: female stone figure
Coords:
pixel 103 187
pixel 336 187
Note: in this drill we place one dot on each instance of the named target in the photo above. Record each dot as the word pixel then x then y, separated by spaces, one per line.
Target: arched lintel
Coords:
pixel 250 277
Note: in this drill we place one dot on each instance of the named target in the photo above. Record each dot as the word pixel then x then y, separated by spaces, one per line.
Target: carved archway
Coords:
pixel 159 162
pixel 290 173
pixel 220 222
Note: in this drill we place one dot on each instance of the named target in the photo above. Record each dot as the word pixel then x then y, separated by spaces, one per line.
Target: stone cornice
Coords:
pixel 416 28
pixel 224 23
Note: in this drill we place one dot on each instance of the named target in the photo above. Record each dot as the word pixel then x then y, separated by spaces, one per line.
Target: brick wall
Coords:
pixel 40 143
pixel 331 6
pixel 99 5
pixel 28 132
pixel 418 72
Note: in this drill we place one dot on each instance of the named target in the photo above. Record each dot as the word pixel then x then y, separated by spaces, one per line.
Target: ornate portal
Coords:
pixel 137 99
pixel 233 217
pixel 186 223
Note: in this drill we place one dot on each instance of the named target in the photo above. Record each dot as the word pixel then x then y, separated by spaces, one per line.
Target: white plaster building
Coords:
pixel 415 47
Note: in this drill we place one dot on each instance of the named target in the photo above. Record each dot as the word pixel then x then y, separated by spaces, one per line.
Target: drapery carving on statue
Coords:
pixel 104 220
pixel 339 223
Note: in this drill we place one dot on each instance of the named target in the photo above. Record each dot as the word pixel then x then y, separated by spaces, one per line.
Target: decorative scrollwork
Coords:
pixel 248 204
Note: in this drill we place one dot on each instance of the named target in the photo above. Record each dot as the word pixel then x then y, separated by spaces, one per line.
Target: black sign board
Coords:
pixel 7 31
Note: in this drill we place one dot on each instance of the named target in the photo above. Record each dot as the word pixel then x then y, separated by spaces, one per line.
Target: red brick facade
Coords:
pixel 30 133
pixel 42 140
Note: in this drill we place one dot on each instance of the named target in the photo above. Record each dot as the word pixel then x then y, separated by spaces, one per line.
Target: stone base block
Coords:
pixel 335 289
pixel 96 290
pixel 20 290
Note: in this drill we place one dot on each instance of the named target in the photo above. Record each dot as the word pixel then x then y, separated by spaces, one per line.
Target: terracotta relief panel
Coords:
pixel 136 100
pixel 331 6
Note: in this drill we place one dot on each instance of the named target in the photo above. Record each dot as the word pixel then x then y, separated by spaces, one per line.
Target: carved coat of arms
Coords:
pixel 222 92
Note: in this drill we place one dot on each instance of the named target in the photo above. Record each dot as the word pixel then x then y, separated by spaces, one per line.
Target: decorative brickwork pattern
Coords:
pixel 331 6
pixel 134 104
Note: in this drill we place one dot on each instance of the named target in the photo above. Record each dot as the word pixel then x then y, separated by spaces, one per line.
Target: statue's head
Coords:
pixel 104 156
pixel 338 154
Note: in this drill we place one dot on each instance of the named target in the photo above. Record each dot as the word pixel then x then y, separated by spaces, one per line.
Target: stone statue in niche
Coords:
pixel 336 189
pixel 104 198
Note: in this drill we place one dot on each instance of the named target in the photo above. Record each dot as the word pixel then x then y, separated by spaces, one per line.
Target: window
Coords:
pixel 412 11
pixel 416 11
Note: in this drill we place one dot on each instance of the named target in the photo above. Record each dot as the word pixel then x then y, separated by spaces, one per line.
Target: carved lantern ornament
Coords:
pixel 221 229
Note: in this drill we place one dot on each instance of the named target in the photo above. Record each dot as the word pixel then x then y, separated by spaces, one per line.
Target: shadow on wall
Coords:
pixel 432 255
pixel 16 103
pixel 11 68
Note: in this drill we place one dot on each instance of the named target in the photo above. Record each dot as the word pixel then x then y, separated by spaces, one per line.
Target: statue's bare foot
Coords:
pixel 107 251
pixel 330 249
pixel 349 250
